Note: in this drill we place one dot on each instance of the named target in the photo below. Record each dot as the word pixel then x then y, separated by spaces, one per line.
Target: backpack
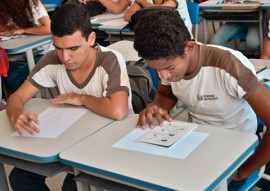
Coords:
pixel 4 63
pixel 142 88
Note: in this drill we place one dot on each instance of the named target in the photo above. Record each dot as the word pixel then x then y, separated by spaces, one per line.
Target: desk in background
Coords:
pixel 112 24
pixel 26 45
pixel 40 155
pixel 250 13
pixel 205 168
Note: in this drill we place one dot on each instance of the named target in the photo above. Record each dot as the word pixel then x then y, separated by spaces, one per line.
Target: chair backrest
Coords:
pixel 125 47
pixel 194 13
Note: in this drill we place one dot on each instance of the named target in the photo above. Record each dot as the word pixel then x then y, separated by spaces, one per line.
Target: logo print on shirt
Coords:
pixel 206 97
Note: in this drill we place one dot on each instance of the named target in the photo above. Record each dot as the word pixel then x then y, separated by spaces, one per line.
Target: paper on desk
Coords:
pixel 115 22
pixel 265 74
pixel 55 120
pixel 5 38
pixel 169 134
pixel 180 149
pixel 109 16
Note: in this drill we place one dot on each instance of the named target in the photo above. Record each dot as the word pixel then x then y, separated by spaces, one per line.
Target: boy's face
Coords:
pixel 172 70
pixel 74 50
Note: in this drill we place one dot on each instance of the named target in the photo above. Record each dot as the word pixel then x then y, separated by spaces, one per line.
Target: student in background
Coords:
pixel 218 85
pixel 266 43
pixel 180 5
pixel 114 6
pixel 86 75
pixel 24 17
pixel 139 4
pixel 229 29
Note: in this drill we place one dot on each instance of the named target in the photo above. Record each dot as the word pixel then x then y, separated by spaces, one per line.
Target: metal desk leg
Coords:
pixel 31 64
pixel 205 30
pixel 3 180
pixel 80 185
pixel 223 186
pixel 30 59
pixel 261 31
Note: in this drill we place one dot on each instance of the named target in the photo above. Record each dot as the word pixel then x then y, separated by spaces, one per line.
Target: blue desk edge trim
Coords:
pixel 234 165
pixel 30 44
pixel 25 156
pixel 116 176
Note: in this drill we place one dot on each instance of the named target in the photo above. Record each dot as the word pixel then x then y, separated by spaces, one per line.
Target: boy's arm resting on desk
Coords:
pixel 164 101
pixel 135 7
pixel 15 109
pixel 266 49
pixel 169 3
pixel 259 102
pixel 114 106
pixel 43 29
pixel 115 7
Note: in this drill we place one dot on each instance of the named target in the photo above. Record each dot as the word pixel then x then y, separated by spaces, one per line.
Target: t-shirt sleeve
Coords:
pixel 39 12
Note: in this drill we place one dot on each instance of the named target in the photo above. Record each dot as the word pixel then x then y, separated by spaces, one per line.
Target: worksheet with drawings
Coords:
pixel 168 134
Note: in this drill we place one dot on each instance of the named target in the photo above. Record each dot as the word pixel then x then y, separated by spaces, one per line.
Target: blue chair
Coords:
pixel 194 14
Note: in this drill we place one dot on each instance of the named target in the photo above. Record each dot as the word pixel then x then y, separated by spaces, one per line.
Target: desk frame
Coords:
pixel 215 9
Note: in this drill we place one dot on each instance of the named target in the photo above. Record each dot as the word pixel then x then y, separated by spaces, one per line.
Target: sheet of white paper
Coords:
pixel 264 74
pixel 109 16
pixel 169 134
pixel 55 120
pixel 115 22
pixel 180 149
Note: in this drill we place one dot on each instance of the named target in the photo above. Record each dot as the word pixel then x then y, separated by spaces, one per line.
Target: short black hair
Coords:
pixel 70 18
pixel 161 34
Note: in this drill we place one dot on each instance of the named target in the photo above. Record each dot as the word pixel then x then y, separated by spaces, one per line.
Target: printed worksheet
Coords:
pixel 167 135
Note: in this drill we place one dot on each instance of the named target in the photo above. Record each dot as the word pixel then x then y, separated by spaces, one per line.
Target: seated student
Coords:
pixel 218 85
pixel 139 4
pixel 180 5
pixel 229 29
pixel 86 74
pixel 114 6
pixel 266 43
pixel 24 17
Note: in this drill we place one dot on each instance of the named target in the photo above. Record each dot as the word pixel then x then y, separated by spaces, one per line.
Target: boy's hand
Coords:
pixel 148 113
pixel 71 98
pixel 25 121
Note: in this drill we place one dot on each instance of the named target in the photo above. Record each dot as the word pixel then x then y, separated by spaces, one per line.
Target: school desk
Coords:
pixel 207 167
pixel 25 44
pixel 40 155
pixel 219 12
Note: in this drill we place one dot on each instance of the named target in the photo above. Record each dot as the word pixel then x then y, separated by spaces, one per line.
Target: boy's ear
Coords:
pixel 189 47
pixel 92 38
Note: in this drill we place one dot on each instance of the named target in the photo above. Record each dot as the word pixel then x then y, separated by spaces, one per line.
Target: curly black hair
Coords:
pixel 70 18
pixel 19 11
pixel 161 34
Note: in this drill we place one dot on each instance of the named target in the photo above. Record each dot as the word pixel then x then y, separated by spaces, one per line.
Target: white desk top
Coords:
pixel 204 169
pixel 46 149
pixel 19 45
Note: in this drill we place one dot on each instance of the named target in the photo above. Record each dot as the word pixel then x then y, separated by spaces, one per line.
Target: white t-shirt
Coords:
pixel 38 12
pixel 216 92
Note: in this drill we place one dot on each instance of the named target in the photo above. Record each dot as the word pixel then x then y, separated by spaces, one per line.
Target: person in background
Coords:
pixel 266 43
pixel 180 5
pixel 24 17
pixel 139 4
pixel 229 29
pixel 218 85
pixel 114 6
pixel 85 73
